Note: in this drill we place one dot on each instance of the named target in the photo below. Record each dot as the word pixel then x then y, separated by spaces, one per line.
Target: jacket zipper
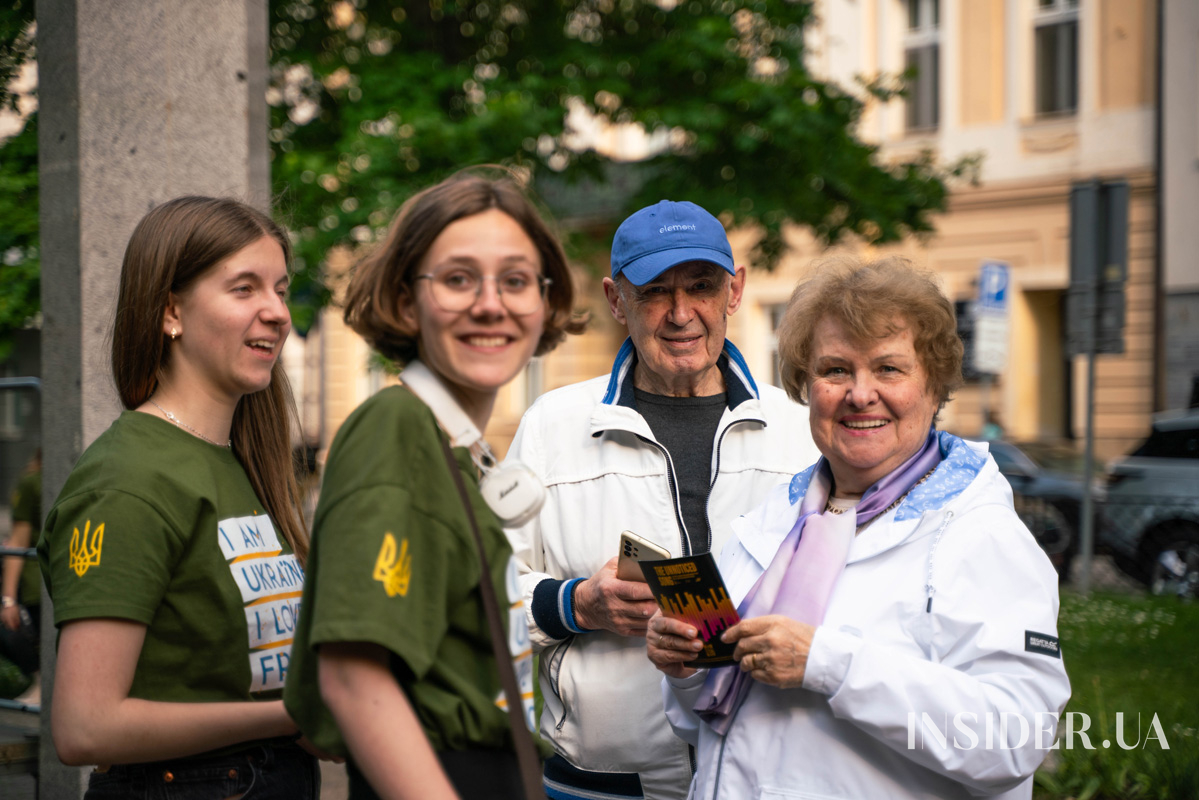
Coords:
pixel 674 494
pixel 724 740
pixel 716 474
pixel 932 551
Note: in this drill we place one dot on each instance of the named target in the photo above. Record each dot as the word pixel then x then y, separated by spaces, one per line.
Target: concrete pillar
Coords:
pixel 140 101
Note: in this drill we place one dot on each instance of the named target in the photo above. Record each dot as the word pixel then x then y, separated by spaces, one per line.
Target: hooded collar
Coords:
pixel 739 383
pixel 962 463
pixel 618 410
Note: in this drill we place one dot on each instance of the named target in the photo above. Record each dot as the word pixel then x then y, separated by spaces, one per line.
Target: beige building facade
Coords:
pixel 1048 92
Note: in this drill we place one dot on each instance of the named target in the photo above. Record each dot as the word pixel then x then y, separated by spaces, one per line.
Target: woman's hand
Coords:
pixel 772 649
pixel 670 643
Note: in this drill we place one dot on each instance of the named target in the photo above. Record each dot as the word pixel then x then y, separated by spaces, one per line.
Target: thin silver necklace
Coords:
pixel 185 426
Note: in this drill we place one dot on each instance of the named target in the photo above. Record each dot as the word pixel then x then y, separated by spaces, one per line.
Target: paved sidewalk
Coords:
pixel 334 784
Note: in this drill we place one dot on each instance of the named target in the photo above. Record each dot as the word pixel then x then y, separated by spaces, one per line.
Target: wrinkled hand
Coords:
pixel 312 750
pixel 605 602
pixel 772 649
pixel 670 643
pixel 11 617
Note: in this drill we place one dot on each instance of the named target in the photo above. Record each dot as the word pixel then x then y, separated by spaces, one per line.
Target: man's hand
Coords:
pixel 605 602
pixel 772 649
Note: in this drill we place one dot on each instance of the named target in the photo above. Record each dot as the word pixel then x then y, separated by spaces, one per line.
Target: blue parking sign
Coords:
pixel 993 287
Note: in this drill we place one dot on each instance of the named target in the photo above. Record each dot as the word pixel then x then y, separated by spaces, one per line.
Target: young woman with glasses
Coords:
pixel 393 664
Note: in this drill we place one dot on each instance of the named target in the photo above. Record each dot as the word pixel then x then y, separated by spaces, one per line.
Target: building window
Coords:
pixel 1056 44
pixel 922 64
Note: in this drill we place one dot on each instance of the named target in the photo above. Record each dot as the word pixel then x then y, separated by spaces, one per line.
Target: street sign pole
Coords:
pixel 1095 314
pixel 1084 274
pixel 991 328
pixel 1087 544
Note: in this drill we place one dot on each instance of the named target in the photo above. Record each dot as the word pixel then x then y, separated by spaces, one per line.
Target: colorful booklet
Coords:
pixel 691 589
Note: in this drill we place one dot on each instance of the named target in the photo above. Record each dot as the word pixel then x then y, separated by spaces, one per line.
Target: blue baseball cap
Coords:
pixel 665 235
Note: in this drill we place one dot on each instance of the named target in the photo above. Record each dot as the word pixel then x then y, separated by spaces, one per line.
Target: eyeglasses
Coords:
pixel 456 289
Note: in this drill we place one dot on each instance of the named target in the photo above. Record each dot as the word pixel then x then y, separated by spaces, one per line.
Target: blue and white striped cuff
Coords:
pixel 553 610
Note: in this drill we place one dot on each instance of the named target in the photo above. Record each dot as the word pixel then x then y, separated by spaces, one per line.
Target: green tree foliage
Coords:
pixel 20 266
pixel 16 46
pixel 375 99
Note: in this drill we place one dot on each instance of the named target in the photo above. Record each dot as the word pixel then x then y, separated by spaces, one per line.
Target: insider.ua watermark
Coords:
pixel 1006 730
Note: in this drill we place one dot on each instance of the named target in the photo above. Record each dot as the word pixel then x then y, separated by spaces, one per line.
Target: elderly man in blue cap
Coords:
pixel 673 444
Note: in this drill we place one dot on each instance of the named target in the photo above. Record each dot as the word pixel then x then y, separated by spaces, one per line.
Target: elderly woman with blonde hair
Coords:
pixel 899 623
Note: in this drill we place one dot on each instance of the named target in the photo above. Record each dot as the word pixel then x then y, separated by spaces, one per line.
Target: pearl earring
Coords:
pixel 174 333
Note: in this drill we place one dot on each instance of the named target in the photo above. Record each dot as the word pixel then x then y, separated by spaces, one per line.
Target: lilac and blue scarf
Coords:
pixel 801 577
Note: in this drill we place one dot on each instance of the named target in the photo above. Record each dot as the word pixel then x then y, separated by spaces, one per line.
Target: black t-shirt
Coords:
pixel 686 427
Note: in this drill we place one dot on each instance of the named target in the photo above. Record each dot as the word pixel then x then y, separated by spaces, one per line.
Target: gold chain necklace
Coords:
pixel 185 426
pixel 838 511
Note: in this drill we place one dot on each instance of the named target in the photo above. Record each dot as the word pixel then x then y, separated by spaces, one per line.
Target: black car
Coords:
pixel 1047 488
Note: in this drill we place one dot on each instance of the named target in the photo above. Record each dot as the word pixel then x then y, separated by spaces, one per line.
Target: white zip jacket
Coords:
pixel 605 473
pixel 947 608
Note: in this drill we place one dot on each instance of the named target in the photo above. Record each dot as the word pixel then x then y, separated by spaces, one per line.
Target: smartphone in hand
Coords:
pixel 633 549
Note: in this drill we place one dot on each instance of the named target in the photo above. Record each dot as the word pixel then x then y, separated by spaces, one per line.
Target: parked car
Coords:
pixel 1151 517
pixel 1047 488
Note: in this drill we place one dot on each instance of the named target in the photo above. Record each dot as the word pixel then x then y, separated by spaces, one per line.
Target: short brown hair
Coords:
pixel 172 246
pixel 388 275
pixel 872 301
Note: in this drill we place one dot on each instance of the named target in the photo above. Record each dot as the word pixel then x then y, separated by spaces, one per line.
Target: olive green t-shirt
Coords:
pixel 394 563
pixel 27 507
pixel 157 526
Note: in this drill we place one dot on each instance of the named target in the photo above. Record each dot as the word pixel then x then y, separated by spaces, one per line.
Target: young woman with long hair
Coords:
pixel 174 553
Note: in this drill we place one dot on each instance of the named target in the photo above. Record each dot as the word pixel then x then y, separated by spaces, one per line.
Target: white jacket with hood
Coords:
pixel 946 608
pixel 605 473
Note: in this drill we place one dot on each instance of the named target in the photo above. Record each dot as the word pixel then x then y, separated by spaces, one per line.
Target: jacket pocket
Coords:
pixel 771 793
pixel 557 659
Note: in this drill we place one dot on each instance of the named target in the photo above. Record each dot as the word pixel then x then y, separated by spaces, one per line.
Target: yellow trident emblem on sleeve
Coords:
pixel 85 552
pixel 393 571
